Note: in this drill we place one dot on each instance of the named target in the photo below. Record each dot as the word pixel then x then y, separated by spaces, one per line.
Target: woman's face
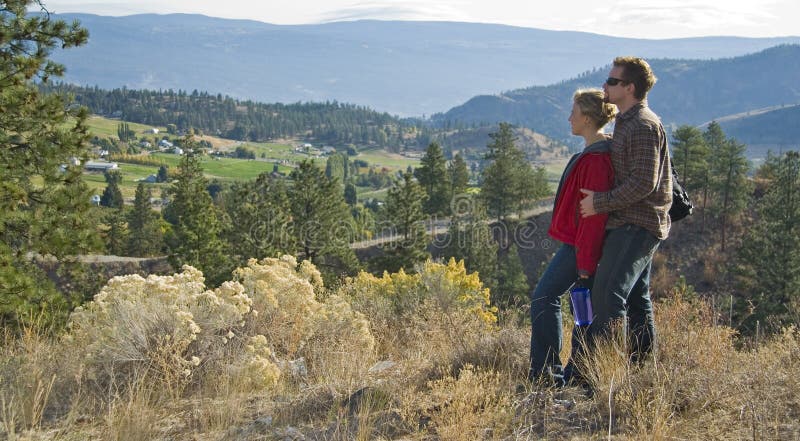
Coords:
pixel 577 120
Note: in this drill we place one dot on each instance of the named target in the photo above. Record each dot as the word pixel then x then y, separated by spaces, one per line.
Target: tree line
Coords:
pixel 245 120
pixel 754 217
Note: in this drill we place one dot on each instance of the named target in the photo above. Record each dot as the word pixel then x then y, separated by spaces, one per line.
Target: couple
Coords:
pixel 610 213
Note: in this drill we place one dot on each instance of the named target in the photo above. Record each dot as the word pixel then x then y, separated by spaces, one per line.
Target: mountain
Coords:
pixel 687 92
pixel 776 129
pixel 401 67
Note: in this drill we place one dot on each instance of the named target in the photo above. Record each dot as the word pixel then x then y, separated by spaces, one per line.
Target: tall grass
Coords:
pixel 435 370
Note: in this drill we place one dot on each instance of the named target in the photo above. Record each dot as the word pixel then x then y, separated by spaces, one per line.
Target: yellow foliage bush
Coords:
pixel 430 318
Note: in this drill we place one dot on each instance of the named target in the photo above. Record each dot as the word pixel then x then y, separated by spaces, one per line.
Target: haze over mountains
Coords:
pixel 405 68
pixel 687 92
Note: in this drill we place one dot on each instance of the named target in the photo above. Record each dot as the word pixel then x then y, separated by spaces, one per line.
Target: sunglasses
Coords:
pixel 611 81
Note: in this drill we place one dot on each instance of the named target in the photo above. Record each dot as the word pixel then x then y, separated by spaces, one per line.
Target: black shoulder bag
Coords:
pixel 681 205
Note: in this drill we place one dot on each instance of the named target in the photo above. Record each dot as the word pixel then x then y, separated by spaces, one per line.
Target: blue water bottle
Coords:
pixel 581 299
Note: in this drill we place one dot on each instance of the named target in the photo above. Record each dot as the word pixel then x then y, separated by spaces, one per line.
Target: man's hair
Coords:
pixel 637 71
pixel 592 105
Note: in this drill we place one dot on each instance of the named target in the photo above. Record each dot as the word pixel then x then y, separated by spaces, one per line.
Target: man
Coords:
pixel 638 207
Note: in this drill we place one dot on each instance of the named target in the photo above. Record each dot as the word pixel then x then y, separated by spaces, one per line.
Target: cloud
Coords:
pixel 420 10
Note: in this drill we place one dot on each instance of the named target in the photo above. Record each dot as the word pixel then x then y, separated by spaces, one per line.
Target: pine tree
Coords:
pixel 195 235
pixel 511 287
pixel 459 175
pixel 768 260
pixel 144 225
pixel 432 177
pixel 690 157
pixel 260 215
pixel 350 194
pixel 405 216
pixel 469 238
pixel 729 168
pixel 43 206
pixel 112 195
pixel 116 237
pixel 715 138
pixel 321 222
pixel 163 174
pixel 509 181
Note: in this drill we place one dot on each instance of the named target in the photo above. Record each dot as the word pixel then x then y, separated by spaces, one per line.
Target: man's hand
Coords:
pixel 587 203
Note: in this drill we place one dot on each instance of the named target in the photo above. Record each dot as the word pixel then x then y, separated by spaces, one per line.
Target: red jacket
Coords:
pixel 592 171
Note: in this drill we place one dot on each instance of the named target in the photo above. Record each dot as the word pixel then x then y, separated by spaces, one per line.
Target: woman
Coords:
pixel 582 238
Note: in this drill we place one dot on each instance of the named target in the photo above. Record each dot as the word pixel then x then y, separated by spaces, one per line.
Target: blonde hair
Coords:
pixel 592 105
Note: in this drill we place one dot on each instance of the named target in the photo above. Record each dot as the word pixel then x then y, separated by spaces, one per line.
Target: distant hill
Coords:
pixel 404 68
pixel 687 92
pixel 775 126
pixel 536 146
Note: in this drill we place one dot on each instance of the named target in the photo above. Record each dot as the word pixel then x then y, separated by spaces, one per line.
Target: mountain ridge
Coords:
pixel 404 68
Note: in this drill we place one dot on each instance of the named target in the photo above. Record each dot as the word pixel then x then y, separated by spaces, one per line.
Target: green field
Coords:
pixel 107 128
pixel 230 169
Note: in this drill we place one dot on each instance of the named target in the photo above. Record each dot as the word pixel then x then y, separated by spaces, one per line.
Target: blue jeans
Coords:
pixel 621 288
pixel 546 321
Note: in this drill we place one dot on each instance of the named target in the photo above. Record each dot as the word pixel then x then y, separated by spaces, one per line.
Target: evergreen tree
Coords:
pixel 195 235
pixel 321 223
pixel 459 175
pixel 335 167
pixel 116 237
pixel 350 194
pixel 163 174
pixel 511 287
pixel 769 260
pixel 125 133
pixel 405 216
pixel 469 238
pixel 432 177
pixel 112 195
pixel 690 157
pixel 260 214
pixel 144 225
pixel 508 181
pixel 42 208
pixel 729 168
pixel 715 139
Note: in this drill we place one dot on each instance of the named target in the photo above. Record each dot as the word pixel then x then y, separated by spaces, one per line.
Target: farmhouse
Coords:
pixel 101 166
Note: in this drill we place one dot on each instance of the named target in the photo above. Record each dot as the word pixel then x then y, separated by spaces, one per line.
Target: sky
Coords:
pixel 655 19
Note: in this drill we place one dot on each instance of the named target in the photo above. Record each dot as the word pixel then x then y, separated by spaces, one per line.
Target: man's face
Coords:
pixel 616 93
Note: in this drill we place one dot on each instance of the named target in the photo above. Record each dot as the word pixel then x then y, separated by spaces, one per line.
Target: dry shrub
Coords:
pixel 170 330
pixel 476 405
pixel 334 340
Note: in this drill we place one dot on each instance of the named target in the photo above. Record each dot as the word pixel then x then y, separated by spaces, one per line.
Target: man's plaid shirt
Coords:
pixel 642 192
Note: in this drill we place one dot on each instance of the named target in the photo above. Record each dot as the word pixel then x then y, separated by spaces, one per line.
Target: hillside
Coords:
pixel 537 147
pixel 776 127
pixel 406 68
pixel 687 92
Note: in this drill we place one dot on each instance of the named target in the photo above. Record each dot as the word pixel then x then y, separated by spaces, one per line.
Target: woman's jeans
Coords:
pixel 546 322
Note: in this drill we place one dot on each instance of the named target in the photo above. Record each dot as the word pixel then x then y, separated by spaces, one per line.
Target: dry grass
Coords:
pixel 442 375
